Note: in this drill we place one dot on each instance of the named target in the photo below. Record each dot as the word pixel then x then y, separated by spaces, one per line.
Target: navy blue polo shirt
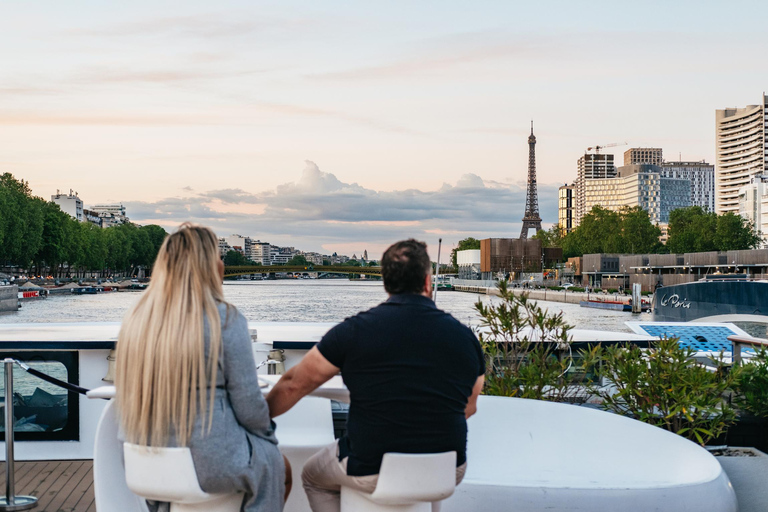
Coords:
pixel 410 369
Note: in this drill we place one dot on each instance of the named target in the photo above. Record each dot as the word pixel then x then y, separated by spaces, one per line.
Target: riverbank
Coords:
pixel 564 296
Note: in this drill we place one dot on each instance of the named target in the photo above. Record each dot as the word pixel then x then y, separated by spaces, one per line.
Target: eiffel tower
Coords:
pixel 531 219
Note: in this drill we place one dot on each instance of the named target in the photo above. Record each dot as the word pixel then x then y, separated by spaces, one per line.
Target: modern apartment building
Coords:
pixel 702 178
pixel 741 151
pixel 566 207
pixel 651 156
pixel 110 214
pixel 69 204
pixel 639 185
pixel 591 167
pixel 753 205
pixel 260 252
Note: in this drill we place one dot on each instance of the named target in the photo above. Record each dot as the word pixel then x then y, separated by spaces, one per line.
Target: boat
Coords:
pixel 519 451
pixel 715 298
pixel 85 290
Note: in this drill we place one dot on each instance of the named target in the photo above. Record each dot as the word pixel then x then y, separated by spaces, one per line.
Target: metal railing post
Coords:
pixel 10 501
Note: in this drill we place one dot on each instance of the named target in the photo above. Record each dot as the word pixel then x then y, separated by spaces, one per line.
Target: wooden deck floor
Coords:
pixel 59 485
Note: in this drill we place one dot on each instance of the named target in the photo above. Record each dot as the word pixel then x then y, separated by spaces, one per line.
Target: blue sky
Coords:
pixel 342 126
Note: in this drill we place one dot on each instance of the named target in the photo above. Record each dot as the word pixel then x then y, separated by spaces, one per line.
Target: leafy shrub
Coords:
pixel 663 386
pixel 575 289
pixel 751 385
pixel 613 290
pixel 517 365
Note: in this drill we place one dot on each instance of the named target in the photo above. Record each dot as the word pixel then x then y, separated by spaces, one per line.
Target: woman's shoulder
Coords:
pixel 230 316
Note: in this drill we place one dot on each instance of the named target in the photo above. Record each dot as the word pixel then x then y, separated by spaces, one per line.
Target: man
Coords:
pixel 413 372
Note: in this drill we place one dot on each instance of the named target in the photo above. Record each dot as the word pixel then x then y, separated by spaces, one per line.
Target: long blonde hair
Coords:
pixel 161 374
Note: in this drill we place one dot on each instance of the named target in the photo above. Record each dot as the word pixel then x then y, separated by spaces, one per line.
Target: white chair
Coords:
pixel 407 483
pixel 110 490
pixel 168 474
pixel 302 432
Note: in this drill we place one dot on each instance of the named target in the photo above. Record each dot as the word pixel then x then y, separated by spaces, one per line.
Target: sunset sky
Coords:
pixel 343 126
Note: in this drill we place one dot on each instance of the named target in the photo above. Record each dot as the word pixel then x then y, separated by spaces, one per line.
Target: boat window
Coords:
pixel 42 411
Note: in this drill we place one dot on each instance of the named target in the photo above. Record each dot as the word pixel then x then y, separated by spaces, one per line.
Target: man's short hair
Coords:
pixel 405 267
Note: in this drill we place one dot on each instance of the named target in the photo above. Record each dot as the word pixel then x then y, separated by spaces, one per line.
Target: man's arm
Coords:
pixel 299 381
pixel 472 402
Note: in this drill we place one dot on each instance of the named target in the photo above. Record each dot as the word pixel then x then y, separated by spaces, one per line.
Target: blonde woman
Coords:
pixel 186 375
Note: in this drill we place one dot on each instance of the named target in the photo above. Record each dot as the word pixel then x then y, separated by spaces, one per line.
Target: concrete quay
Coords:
pixel 549 295
pixel 9 298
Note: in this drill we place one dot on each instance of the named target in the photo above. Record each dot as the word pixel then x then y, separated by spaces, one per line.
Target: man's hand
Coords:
pixel 472 402
pixel 299 381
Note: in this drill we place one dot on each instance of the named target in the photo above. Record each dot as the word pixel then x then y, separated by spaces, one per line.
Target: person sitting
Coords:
pixel 186 376
pixel 413 372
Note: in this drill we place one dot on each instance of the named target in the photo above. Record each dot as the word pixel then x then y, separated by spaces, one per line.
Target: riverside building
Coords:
pixel 753 205
pixel 566 207
pixel 591 167
pixel 639 185
pixel 702 178
pixel 653 156
pixel 741 151
pixel 69 204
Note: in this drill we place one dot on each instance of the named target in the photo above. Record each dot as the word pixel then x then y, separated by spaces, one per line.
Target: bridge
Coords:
pixel 232 271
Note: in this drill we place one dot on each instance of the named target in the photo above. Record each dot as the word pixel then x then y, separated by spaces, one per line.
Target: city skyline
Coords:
pixel 415 119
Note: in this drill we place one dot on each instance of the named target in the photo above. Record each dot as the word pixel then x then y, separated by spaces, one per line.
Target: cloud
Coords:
pixel 319 210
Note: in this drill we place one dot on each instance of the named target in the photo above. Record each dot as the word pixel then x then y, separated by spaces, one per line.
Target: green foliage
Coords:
pixel 663 386
pixel 751 387
pixel 516 363
pixel 694 229
pixel 351 263
pixel 552 237
pixel 235 259
pixel 464 245
pixel 628 231
pixel 36 231
pixel 298 260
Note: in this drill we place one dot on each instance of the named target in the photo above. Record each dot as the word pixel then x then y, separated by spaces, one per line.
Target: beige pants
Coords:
pixel 323 476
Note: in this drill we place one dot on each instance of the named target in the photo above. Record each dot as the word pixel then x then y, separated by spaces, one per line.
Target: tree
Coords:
pixel 52 250
pixel 234 259
pixel 629 230
pixel 694 229
pixel 464 245
pixel 552 237
pixel 298 260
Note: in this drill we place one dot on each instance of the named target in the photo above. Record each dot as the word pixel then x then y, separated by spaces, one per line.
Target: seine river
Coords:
pixel 306 300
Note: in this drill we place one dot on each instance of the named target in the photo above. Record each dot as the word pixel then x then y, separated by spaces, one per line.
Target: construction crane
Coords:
pixel 611 145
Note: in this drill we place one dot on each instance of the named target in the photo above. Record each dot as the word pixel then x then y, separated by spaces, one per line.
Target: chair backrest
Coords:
pixel 162 474
pixel 414 477
pixel 110 490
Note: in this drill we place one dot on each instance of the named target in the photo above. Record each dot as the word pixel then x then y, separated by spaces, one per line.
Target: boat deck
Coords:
pixel 59 485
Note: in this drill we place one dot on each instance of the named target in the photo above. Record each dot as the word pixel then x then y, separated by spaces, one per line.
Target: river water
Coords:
pixel 305 300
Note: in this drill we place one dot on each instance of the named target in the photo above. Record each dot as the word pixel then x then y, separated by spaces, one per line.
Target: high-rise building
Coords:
pixel 652 156
pixel 741 151
pixel 261 253
pixel 639 185
pixel 566 205
pixel 702 178
pixel 592 166
pixel 69 204
pixel 753 205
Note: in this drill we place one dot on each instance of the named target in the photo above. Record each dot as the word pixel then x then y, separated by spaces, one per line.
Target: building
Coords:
pixel 652 156
pixel 110 214
pixel 469 264
pixel 590 167
pixel 639 185
pixel 514 255
pixel 260 252
pixel 70 204
pixel 566 206
pixel 741 151
pixel 702 178
pixel 241 244
pixel 224 247
pixel 91 216
pixel 612 271
pixel 280 255
pixel 753 205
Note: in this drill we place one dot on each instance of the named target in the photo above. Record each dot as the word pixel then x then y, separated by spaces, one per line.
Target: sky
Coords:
pixel 344 126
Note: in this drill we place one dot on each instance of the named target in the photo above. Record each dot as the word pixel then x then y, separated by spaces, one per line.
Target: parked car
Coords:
pixel 567 285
